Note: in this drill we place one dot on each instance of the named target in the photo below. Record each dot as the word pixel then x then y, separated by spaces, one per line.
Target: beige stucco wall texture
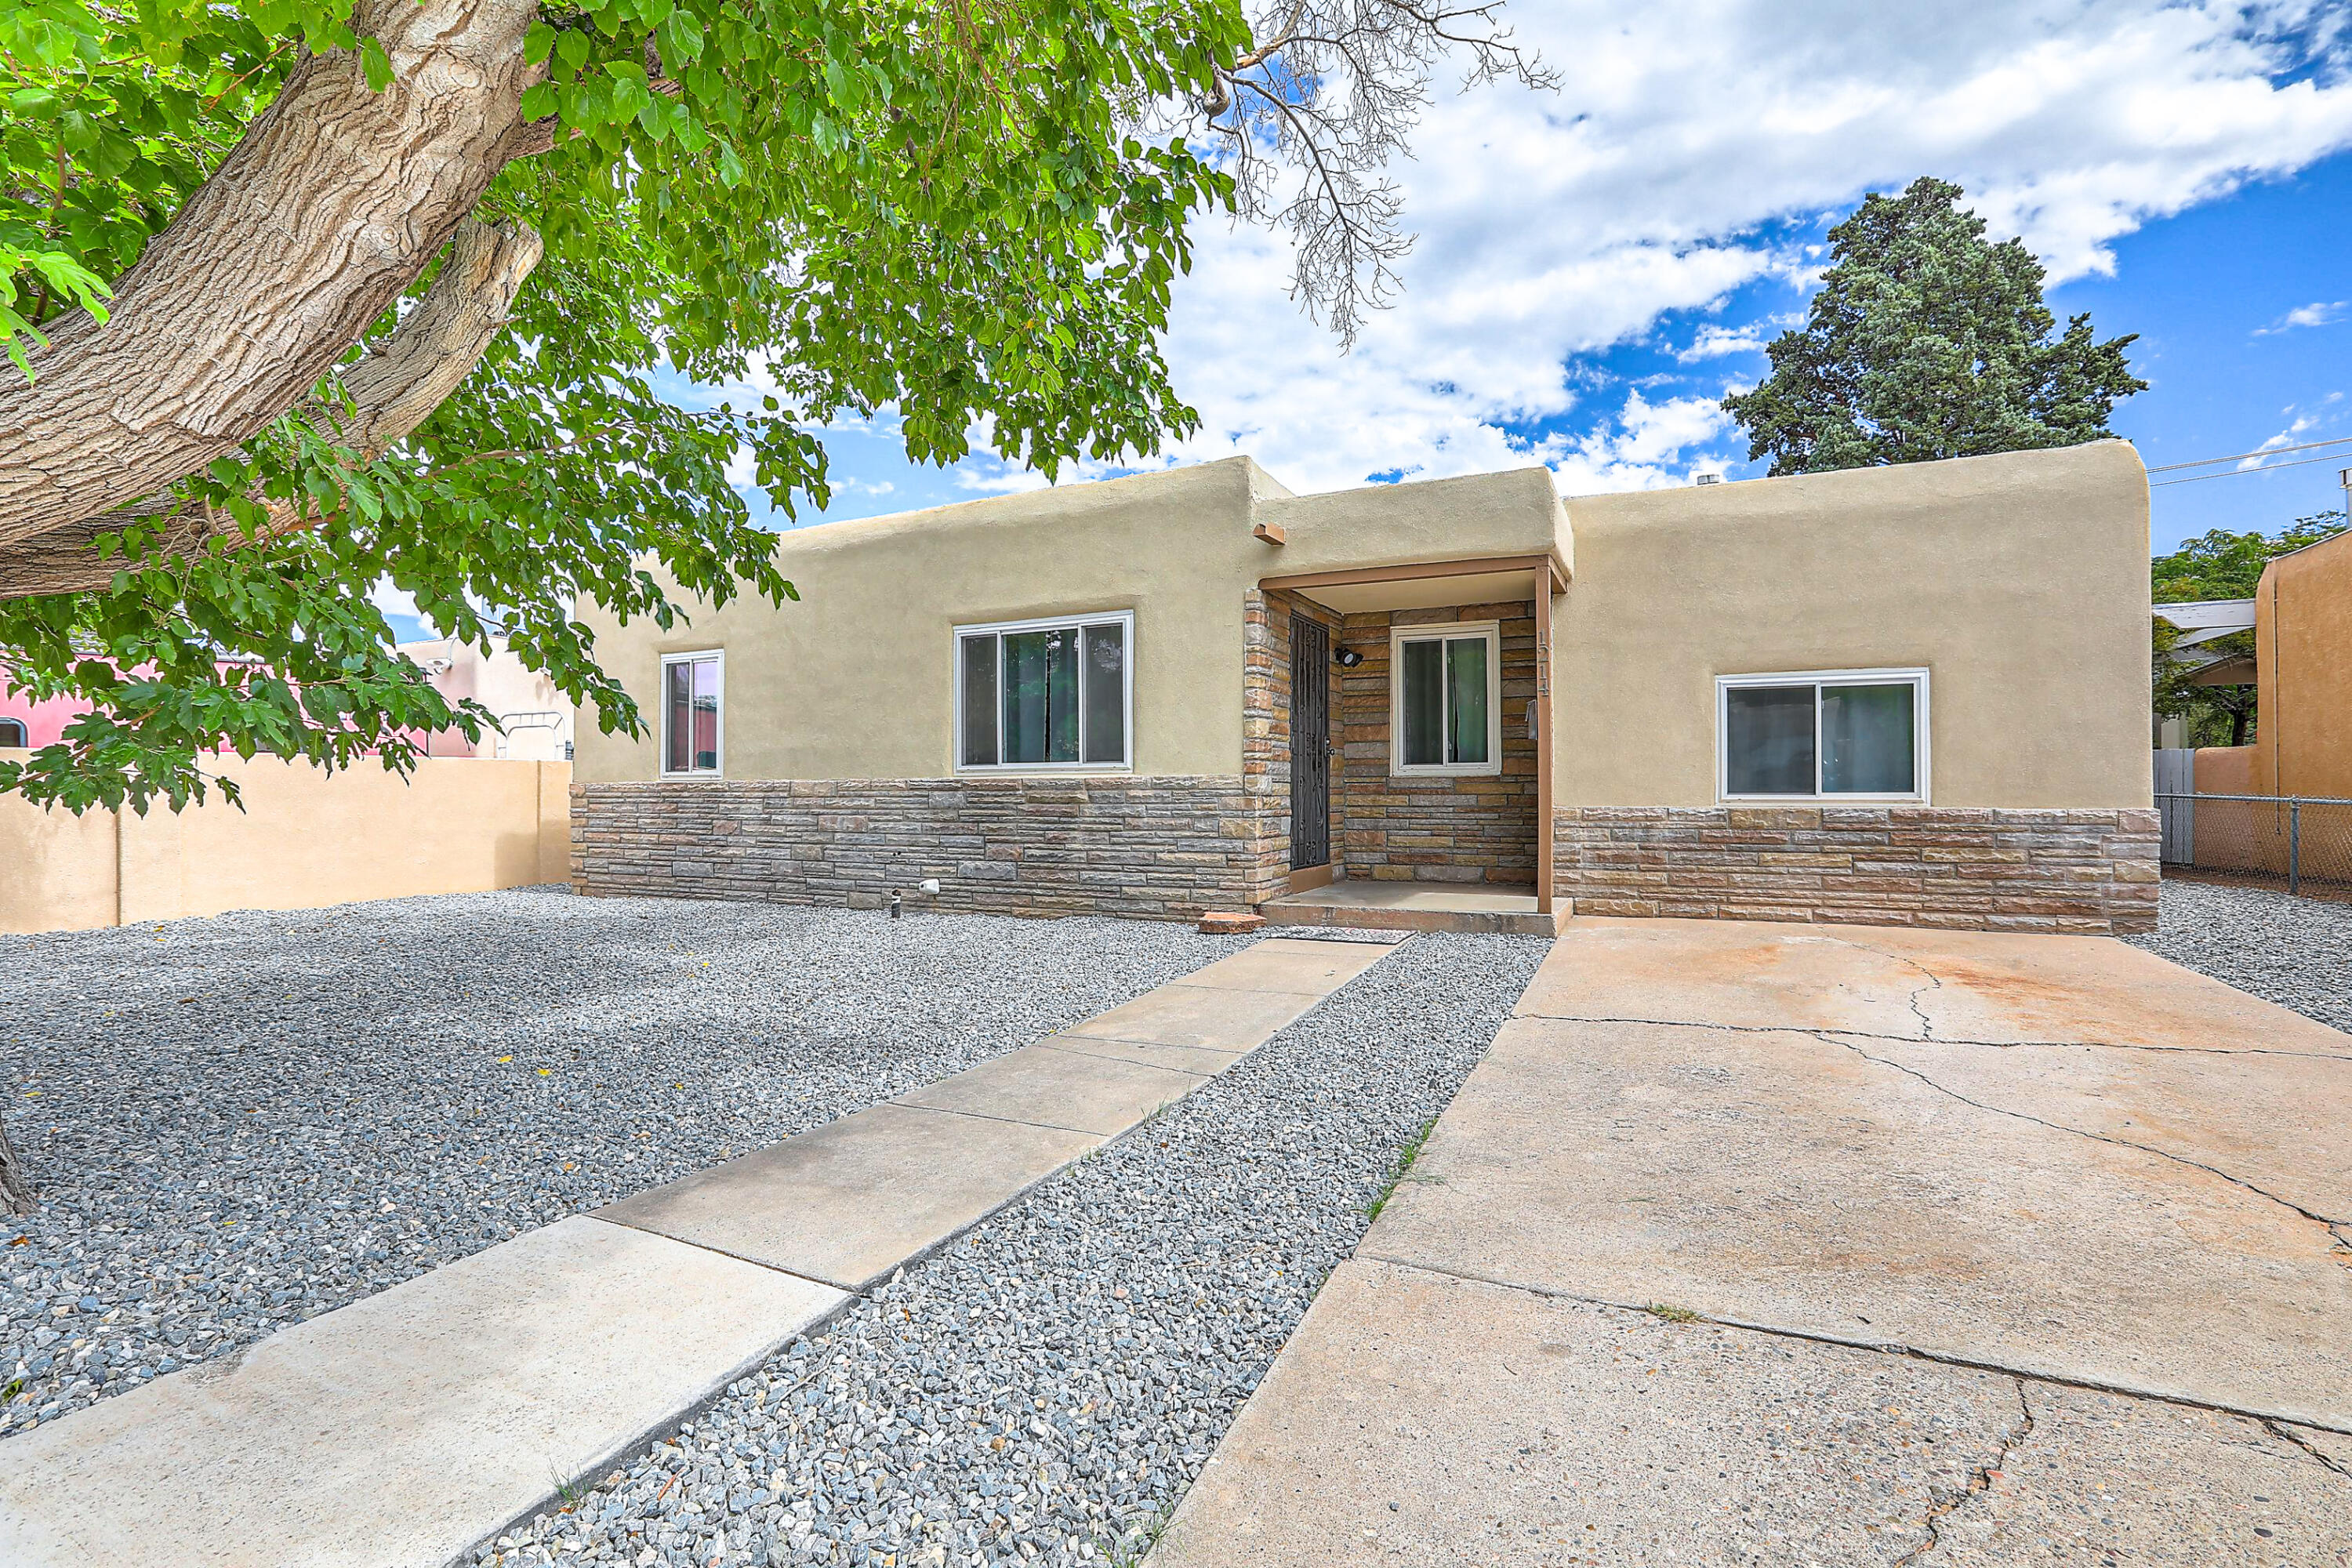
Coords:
pixel 857 679
pixel 2018 581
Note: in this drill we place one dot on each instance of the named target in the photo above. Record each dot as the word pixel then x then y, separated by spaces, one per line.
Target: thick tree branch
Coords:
pixel 390 392
pixel 330 207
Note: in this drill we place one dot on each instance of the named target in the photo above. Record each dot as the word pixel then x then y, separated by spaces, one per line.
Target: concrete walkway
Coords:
pixel 406 1427
pixel 1771 1244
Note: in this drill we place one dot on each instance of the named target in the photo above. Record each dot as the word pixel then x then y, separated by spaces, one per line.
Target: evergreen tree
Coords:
pixel 1927 342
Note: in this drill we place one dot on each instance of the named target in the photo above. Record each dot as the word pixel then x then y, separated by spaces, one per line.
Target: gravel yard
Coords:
pixel 1043 1390
pixel 2295 951
pixel 238 1123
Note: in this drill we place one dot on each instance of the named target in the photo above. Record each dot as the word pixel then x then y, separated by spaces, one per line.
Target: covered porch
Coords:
pixel 1408 717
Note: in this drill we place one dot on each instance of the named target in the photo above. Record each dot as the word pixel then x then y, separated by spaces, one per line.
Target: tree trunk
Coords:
pixel 16 1186
pixel 394 390
pixel 323 214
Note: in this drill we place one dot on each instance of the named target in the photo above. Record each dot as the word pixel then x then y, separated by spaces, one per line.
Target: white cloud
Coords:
pixel 2318 314
pixel 1714 340
pixel 1687 141
pixel 1689 154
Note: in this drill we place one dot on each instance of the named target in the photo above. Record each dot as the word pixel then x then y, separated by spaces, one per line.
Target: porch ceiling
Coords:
pixel 1425 592
pixel 1426 585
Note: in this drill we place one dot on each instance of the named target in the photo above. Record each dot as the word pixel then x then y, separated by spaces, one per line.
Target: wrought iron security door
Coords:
pixel 1311 750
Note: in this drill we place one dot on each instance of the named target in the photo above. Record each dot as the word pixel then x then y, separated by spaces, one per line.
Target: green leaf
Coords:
pixel 375 64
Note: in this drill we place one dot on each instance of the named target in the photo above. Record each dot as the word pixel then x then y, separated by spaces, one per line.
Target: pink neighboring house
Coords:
pixel 42 723
pixel 537 717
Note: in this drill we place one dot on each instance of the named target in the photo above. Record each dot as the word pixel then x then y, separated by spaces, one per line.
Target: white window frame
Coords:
pixel 1920 749
pixel 22 730
pixel 1492 631
pixel 1123 619
pixel 719 730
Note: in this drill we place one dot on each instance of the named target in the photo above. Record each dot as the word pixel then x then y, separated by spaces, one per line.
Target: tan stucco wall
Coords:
pixel 2020 581
pixel 855 680
pixel 2303 654
pixel 304 840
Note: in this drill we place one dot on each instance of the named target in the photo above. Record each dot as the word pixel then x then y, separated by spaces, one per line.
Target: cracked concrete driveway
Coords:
pixel 1770 1244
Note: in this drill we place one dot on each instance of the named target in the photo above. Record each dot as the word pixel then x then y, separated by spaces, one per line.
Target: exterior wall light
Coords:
pixel 1347 659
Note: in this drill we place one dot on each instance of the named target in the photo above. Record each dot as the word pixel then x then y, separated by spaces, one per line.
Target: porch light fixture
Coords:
pixel 1347 658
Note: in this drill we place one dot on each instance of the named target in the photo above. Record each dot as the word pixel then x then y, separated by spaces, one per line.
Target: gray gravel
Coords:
pixel 2295 951
pixel 1042 1391
pixel 242 1122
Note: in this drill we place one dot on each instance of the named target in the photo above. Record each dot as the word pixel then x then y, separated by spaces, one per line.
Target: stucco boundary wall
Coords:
pixel 1958 867
pixel 1157 848
pixel 304 839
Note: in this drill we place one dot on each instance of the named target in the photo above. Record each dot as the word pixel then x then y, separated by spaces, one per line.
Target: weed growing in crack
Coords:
pixel 1668 1314
pixel 1405 1158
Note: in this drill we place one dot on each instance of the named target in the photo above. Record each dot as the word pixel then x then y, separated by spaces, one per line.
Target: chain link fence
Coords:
pixel 2299 845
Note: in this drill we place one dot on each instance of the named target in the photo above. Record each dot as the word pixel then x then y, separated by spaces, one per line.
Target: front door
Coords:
pixel 1310 748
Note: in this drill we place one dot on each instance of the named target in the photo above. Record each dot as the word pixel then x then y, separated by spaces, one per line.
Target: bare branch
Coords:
pixel 1314 111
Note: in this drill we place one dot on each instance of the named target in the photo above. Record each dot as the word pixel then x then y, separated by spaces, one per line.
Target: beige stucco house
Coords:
pixel 1909 695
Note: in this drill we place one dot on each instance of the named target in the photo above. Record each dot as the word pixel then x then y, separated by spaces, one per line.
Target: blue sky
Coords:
pixel 1598 266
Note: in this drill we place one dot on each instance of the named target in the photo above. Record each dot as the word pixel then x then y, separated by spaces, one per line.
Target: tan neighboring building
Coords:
pixel 1909 695
pixel 2303 674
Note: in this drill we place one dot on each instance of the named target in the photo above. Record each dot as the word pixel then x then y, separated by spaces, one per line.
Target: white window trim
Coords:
pixel 1124 619
pixel 1920 733
pixel 719 730
pixel 1400 635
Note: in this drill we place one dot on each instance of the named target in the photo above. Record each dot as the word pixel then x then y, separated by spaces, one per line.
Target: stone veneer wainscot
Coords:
pixel 1165 848
pixel 1955 867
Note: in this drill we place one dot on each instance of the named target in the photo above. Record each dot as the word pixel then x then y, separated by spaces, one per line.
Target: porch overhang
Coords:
pixel 1424 584
pixel 1474 580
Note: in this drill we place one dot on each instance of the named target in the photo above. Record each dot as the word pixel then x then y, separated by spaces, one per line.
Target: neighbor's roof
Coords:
pixel 2205 619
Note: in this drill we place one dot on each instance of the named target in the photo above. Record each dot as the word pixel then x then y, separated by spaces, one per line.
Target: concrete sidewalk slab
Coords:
pixel 1784 1180
pixel 394 1431
pixel 2274 1123
pixel 853 1199
pixel 2001 987
pixel 1179 1059
pixel 1437 1423
pixel 1050 1088
pixel 2101 1479
pixel 1213 1018
pixel 1291 963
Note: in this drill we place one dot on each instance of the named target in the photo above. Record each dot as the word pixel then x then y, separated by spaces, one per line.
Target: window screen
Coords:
pixel 1035 695
pixel 1819 739
pixel 690 717
pixel 1445 717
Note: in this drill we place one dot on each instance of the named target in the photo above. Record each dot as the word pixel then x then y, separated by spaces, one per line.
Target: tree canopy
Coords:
pixel 879 202
pixel 310 297
pixel 1925 341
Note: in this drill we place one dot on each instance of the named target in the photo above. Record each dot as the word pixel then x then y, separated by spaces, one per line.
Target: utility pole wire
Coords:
pixel 2263 452
pixel 2239 473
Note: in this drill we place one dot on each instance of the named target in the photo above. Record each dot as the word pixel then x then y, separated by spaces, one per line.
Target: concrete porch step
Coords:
pixel 1502 911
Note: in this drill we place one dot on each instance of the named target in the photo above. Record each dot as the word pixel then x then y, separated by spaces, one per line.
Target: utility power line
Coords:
pixel 2236 473
pixel 2234 457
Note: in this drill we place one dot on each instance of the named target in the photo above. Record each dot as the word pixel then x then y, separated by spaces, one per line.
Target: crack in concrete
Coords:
pixel 1919 1040
pixel 1934 981
pixel 2287 1433
pixel 2324 1222
pixel 1980 1480
pixel 1876 1347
